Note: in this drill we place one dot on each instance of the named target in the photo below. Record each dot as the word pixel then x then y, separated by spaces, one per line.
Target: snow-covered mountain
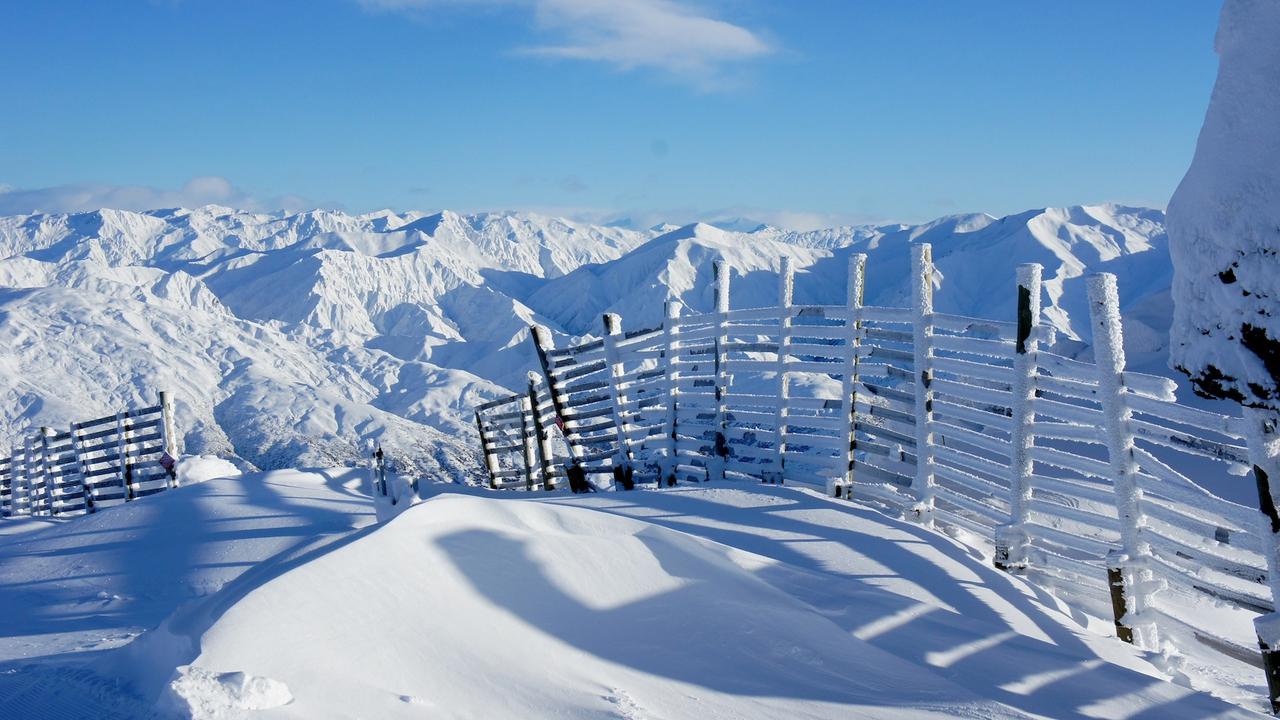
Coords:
pixel 291 339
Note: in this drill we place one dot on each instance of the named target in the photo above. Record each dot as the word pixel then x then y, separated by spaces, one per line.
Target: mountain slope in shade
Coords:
pixel 296 338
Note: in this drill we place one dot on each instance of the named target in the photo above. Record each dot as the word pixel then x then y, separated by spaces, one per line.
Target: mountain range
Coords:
pixel 292 339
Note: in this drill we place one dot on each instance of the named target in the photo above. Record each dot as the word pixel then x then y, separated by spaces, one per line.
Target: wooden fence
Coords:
pixel 1075 470
pixel 92 465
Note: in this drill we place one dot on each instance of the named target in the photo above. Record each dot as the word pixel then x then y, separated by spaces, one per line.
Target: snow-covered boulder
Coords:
pixel 1224 221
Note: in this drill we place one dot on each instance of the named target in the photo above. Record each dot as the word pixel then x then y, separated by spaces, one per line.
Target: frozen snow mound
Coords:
pixel 1224 221
pixel 487 608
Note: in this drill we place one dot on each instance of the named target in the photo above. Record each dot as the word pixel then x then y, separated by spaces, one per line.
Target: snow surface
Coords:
pixel 199 468
pixel 292 340
pixel 270 595
pixel 1224 220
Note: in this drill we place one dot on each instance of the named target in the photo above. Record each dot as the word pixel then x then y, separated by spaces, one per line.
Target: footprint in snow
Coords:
pixel 626 706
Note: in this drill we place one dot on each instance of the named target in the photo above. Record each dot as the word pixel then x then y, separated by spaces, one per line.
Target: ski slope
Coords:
pixel 273 595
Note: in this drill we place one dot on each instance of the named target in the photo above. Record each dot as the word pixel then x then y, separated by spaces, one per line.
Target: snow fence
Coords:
pixel 1075 472
pixel 93 464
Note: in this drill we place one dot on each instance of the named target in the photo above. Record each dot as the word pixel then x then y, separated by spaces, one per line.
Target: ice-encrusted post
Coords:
pixel 527 440
pixel 542 436
pixel 622 458
pixel 922 304
pixel 37 479
pixel 1011 539
pixel 786 291
pixel 124 468
pixel 6 489
pixel 1128 573
pixel 671 336
pixel 720 454
pixel 1262 429
pixel 169 434
pixel 543 343
pixel 77 446
pixel 47 469
pixel 20 501
pixel 849 387
pixel 490 457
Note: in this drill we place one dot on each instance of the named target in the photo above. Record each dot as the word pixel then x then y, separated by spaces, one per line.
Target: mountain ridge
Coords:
pixel 408 319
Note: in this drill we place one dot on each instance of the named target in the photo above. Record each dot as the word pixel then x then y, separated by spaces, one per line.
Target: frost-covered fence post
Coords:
pixel 1128 572
pixel 544 343
pixel 123 467
pixel 1011 539
pixel 46 468
pixel 922 303
pixel 716 463
pixel 622 459
pixel 542 436
pixel 671 336
pixel 82 461
pixel 1263 435
pixel 490 457
pixel 527 441
pixel 37 479
pixel 786 290
pixel 849 387
pixel 22 479
pixel 169 433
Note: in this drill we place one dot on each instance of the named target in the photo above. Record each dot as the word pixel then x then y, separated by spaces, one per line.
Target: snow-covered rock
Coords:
pixel 1224 220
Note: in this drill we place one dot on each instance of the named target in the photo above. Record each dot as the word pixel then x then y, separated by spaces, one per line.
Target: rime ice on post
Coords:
pixel 716 463
pixel 786 289
pixel 671 337
pixel 849 386
pixel 486 447
pixel 542 437
pixel 613 363
pixel 1011 539
pixel 922 304
pixel 1131 564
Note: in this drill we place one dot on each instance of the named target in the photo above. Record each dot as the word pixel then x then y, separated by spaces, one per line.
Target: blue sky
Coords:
pixel 805 113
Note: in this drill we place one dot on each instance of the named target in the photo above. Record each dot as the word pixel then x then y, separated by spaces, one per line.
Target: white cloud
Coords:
pixel 198 191
pixel 668 35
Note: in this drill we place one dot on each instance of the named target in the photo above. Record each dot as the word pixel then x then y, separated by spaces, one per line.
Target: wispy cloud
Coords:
pixel 198 191
pixel 672 36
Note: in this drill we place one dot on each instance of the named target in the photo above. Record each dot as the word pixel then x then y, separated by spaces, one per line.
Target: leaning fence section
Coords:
pixel 1078 472
pixel 93 464
pixel 519 440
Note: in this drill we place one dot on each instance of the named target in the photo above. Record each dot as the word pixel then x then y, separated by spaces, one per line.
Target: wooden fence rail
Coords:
pixel 92 465
pixel 1077 472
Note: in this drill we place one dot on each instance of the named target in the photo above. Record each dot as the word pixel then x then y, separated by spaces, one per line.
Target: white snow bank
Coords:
pixel 1224 220
pixel 199 468
pixel 488 608
pixel 97 581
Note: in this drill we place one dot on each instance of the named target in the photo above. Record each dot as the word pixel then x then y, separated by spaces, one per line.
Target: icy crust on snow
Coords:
pixel 1224 220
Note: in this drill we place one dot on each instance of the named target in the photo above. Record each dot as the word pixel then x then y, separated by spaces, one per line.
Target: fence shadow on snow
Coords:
pixel 1070 469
